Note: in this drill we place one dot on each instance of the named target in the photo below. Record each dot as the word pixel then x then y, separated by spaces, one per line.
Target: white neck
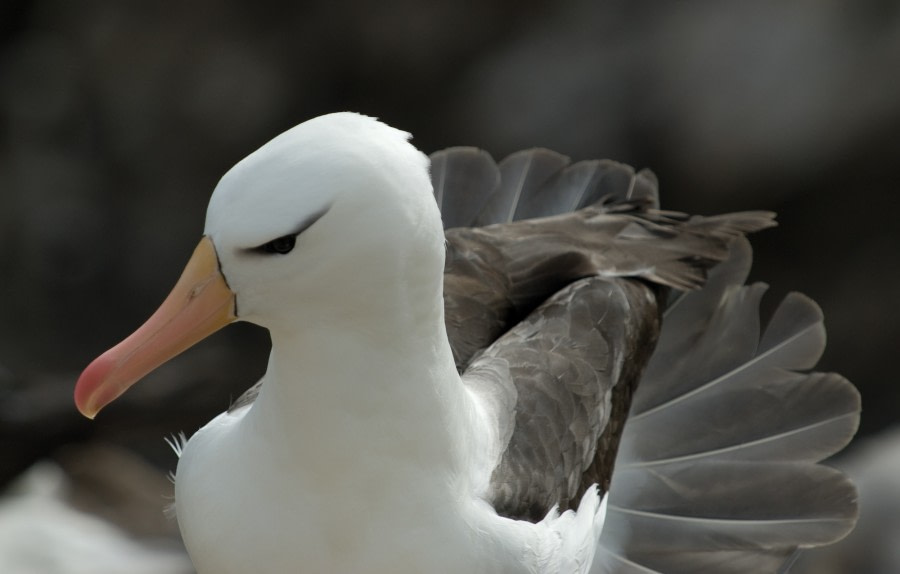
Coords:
pixel 347 392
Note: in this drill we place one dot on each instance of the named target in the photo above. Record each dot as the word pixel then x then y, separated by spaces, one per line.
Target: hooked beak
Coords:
pixel 200 304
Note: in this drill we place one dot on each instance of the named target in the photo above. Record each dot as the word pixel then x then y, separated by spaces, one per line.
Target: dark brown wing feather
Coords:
pixel 575 362
pixel 496 275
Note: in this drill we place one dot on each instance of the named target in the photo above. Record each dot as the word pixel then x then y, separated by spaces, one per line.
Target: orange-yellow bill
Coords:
pixel 200 304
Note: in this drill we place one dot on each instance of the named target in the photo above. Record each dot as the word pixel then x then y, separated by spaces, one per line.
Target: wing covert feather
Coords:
pixel 571 364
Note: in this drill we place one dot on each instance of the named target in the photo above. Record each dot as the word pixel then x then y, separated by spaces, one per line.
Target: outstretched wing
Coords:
pixel 552 319
pixel 717 470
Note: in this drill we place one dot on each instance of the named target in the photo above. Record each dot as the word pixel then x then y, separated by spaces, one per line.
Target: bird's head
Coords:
pixel 316 225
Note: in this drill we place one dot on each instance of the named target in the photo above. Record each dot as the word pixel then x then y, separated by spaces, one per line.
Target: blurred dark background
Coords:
pixel 118 117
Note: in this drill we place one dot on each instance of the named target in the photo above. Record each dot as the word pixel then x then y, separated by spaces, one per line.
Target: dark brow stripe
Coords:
pixel 307 222
pixel 302 226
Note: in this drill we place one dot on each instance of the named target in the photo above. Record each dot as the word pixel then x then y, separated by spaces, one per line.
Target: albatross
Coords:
pixel 515 367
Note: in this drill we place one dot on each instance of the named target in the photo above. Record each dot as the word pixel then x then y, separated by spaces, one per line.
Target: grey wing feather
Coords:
pixel 463 179
pixel 717 469
pixel 566 366
pixel 522 175
pixel 577 186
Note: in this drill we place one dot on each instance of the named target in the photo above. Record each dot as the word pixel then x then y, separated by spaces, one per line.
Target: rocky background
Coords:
pixel 118 117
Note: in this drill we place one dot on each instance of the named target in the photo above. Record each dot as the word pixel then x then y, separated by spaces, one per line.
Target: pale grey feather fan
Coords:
pixel 717 469
pixel 473 191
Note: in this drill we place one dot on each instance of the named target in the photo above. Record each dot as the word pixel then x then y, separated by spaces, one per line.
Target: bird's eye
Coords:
pixel 281 245
pixel 285 244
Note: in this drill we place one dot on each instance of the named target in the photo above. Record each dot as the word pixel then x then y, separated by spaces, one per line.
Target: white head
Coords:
pixel 356 198
pixel 332 223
